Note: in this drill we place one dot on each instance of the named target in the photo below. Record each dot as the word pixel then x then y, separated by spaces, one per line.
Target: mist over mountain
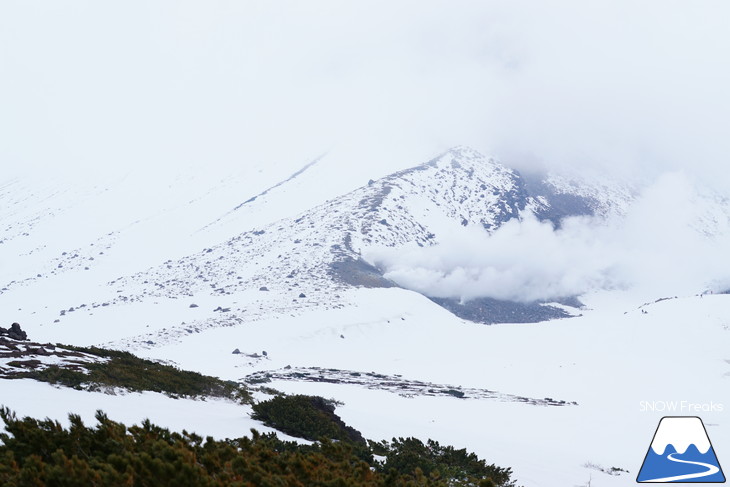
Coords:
pixel 644 241
pixel 500 225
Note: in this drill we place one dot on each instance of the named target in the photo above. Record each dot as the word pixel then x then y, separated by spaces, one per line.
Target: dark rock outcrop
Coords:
pixel 15 332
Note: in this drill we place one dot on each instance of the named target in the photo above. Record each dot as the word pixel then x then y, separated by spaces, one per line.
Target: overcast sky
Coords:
pixel 634 86
pixel 637 88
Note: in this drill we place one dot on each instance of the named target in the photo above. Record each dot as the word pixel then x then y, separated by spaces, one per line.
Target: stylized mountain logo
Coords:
pixel 681 452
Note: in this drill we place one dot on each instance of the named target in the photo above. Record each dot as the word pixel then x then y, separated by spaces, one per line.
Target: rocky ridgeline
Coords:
pixel 395 384
pixel 309 260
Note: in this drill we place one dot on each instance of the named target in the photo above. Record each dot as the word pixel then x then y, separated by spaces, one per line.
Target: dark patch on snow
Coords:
pixel 560 205
pixel 358 273
pixel 490 311
pixel 372 202
pixel 510 203
pixel 267 190
pixel 392 383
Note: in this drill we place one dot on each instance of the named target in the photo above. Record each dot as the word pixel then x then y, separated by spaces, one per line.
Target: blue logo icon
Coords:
pixel 681 452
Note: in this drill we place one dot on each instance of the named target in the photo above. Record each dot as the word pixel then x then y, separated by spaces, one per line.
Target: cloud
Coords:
pixel 510 264
pixel 637 88
pixel 672 241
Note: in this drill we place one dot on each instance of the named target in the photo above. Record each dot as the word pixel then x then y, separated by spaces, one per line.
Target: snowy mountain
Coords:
pixel 309 260
pixel 189 269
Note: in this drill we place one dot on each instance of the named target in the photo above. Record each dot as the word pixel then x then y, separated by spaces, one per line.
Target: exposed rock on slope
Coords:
pixel 318 253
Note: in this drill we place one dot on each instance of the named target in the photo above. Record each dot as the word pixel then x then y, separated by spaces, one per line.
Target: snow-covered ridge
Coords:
pixel 461 187
pixel 609 196
pixel 310 260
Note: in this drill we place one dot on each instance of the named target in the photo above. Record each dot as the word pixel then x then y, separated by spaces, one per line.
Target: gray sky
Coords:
pixel 633 86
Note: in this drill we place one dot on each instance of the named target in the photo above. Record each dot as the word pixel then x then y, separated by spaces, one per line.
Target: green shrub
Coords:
pixel 309 417
pixel 124 370
pixel 38 453
pixel 406 456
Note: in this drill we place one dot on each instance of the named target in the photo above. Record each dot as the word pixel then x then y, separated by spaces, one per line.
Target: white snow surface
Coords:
pixel 155 244
pixel 212 417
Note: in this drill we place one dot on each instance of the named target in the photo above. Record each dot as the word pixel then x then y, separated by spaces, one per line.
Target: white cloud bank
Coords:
pixel 634 86
pixel 673 241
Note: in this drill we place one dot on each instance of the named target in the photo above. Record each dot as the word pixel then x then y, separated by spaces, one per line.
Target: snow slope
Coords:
pixel 178 274
pixel 218 418
pixel 316 253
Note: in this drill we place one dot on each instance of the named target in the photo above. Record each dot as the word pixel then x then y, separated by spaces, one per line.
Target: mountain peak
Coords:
pixel 465 152
pixel 464 156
